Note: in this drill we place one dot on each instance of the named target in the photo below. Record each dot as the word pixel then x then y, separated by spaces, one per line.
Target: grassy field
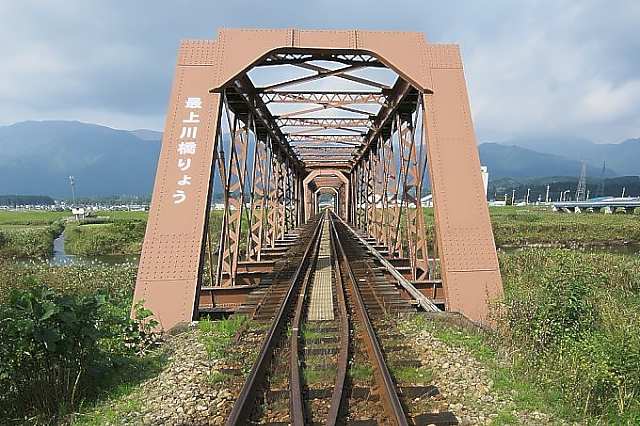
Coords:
pixel 29 234
pixel 572 321
pixel 568 340
pixel 531 226
pixel 28 241
pixel 117 238
pixel 30 217
pixel 117 280
pixel 115 233
pixel 521 226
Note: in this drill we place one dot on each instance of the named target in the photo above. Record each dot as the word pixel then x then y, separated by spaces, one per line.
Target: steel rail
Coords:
pixel 338 397
pixel 243 406
pixel 296 403
pixel 422 300
pixel 383 377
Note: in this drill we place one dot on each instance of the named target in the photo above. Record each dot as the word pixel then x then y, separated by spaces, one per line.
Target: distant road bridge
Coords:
pixel 270 121
pixel 605 205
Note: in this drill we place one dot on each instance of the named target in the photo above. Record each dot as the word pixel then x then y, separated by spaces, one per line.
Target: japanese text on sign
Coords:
pixel 187 147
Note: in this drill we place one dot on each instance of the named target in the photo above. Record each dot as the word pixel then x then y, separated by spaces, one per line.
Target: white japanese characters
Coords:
pixel 187 147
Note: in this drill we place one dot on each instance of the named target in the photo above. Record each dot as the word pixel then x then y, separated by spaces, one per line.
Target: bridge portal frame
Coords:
pixel 173 255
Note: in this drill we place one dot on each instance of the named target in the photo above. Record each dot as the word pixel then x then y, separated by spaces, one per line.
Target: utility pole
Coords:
pixel 546 199
pixel 72 181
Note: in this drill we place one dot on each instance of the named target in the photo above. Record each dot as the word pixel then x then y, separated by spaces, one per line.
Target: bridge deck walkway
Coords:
pixel 321 305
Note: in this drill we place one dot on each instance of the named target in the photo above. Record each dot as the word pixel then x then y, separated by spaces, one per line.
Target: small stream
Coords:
pixel 61 258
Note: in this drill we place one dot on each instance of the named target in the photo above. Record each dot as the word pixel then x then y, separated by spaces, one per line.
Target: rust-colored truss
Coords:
pixel 226 144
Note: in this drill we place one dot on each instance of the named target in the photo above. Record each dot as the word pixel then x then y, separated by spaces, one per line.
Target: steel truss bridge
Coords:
pixel 270 121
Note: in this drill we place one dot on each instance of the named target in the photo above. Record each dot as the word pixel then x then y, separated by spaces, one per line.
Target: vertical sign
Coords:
pixel 167 279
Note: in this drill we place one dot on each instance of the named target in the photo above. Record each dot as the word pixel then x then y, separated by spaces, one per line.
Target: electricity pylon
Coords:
pixel 581 192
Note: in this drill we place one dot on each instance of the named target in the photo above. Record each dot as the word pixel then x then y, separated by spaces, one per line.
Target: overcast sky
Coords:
pixel 534 68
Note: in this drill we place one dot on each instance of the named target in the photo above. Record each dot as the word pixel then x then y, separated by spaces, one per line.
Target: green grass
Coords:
pixel 120 372
pixel 361 372
pixel 117 233
pixel 225 327
pixel 217 377
pixel 527 226
pixel 122 216
pixel 568 335
pixel 116 280
pixel 30 217
pixel 474 343
pixel 217 336
pixel 30 234
pixel 123 238
pixel 310 333
pixel 507 378
pixel 522 226
pixel 23 241
pixel 505 417
pixel 412 374
pixel 319 375
pixel 122 398
pixel 573 321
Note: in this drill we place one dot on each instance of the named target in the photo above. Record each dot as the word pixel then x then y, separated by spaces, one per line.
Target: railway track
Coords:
pixel 332 354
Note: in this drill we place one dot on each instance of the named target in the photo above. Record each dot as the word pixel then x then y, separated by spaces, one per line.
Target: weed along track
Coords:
pixel 331 352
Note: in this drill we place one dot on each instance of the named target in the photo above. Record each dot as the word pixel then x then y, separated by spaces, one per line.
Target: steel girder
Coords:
pixel 388 192
pixel 260 191
pixel 323 98
pixel 259 200
pixel 301 58
pixel 234 190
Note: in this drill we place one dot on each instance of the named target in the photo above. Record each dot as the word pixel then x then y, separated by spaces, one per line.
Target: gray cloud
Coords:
pixel 534 68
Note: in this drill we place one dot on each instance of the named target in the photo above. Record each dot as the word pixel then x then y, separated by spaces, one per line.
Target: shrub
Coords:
pixel 573 321
pixel 105 239
pixel 559 307
pixel 60 349
pixel 50 348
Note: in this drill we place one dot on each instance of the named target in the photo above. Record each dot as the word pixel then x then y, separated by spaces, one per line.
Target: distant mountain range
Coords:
pixel 515 161
pixel 623 158
pixel 37 158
